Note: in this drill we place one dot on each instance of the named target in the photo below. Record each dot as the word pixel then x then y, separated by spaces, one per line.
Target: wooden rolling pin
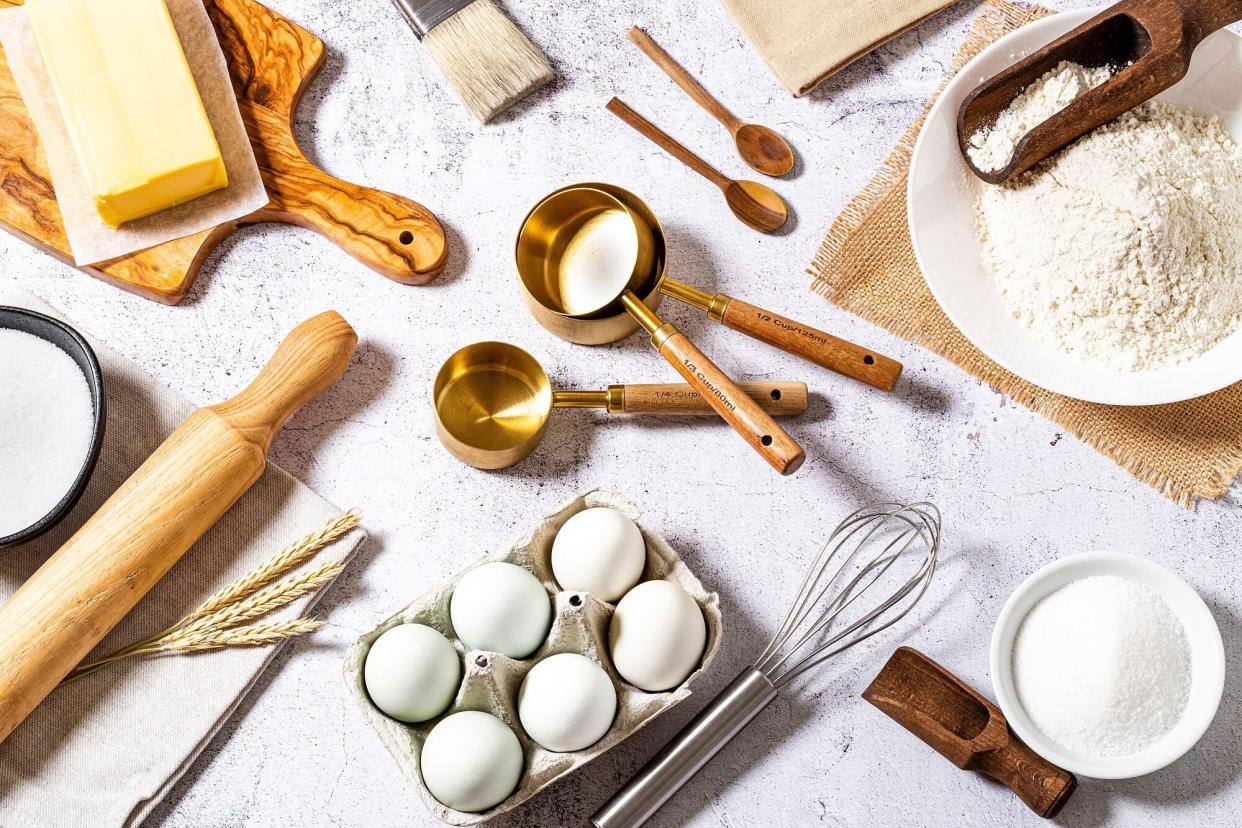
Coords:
pixel 967 729
pixel 91 582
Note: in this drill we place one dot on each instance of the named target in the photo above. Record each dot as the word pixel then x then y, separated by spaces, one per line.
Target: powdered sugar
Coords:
pixel 46 422
pixel 1125 248
pixel 1102 666
pixel 992 147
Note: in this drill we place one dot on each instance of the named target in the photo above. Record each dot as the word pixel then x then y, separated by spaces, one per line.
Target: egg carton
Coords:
pixel 491 681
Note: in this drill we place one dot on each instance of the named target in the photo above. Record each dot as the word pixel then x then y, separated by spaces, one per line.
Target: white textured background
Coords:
pixel 1015 492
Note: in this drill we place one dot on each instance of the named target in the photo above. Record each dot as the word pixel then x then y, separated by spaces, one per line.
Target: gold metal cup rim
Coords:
pixel 650 260
pixel 492 401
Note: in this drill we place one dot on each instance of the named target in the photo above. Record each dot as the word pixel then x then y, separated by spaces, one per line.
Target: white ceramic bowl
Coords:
pixel 941 197
pixel 1207 661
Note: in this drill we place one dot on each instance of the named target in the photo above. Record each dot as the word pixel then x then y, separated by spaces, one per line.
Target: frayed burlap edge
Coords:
pixel 1138 457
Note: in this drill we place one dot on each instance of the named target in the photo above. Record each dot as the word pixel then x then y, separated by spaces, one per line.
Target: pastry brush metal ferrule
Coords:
pixel 487 60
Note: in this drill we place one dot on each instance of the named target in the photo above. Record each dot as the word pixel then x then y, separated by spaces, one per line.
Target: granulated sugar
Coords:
pixel 46 421
pixel 1102 666
pixel 1123 249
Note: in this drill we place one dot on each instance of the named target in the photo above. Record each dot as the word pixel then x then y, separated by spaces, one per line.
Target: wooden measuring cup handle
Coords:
pixel 683 78
pixel 749 420
pixel 667 143
pixel 780 399
pixel 308 360
pixel 1043 786
pixel 819 347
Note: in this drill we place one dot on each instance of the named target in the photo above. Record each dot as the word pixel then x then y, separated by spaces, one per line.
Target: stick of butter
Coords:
pixel 131 108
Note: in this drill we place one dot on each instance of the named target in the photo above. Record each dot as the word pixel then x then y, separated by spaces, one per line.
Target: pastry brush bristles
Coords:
pixel 490 64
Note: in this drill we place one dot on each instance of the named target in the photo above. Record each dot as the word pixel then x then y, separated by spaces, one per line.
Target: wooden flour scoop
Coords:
pixel 966 729
pixel 71 602
pixel 1149 41
pixel 271 61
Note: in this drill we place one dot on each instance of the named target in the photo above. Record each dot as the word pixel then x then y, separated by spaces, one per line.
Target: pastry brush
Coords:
pixel 487 60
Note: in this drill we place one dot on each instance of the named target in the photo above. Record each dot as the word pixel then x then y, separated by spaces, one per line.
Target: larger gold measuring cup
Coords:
pixel 790 335
pixel 581 256
pixel 492 402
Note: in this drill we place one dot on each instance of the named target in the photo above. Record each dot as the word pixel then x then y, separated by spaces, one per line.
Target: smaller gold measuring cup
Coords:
pixel 492 402
pixel 590 274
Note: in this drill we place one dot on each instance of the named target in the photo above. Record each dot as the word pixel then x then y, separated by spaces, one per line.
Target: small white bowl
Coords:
pixel 940 200
pixel 1207 661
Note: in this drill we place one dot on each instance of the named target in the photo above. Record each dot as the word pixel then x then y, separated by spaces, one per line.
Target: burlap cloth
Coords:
pixel 805 41
pixel 866 264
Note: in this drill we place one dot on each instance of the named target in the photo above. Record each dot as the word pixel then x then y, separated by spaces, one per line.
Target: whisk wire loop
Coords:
pixel 871 541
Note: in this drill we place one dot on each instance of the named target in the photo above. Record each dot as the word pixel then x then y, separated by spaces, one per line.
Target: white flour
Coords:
pixel 1126 247
pixel 991 148
pixel 1102 666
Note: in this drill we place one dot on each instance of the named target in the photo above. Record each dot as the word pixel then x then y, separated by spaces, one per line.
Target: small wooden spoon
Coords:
pixel 1151 41
pixel 754 204
pixel 760 147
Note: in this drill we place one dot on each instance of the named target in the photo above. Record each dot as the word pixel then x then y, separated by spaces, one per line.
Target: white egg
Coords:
pixel 502 608
pixel 657 636
pixel 600 551
pixel 412 673
pixel 471 761
pixel 567 702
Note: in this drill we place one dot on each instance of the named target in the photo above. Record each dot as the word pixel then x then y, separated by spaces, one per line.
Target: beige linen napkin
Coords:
pixel 104 750
pixel 805 41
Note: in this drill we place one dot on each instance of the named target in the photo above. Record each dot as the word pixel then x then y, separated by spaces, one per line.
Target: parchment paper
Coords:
pixel 90 238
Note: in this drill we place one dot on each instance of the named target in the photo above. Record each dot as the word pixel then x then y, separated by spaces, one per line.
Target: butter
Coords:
pixel 131 108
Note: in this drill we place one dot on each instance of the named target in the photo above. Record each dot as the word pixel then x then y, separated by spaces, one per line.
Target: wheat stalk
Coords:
pixel 264 601
pixel 283 561
pixel 216 622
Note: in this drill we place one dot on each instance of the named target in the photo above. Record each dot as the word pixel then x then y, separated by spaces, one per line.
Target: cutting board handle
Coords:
pixel 308 360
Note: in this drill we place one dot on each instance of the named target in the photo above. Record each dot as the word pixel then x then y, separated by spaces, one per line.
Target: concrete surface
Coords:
pixel 1015 492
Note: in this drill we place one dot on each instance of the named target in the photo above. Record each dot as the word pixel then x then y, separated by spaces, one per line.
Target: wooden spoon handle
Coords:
pixel 683 78
pixel 780 399
pixel 812 344
pixel 749 420
pixel 667 143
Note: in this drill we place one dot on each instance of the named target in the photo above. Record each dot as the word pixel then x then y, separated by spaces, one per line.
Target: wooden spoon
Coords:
pixel 1152 40
pixel 760 147
pixel 754 204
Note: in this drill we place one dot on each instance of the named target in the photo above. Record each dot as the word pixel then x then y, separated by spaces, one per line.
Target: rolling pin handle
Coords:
pixel 308 360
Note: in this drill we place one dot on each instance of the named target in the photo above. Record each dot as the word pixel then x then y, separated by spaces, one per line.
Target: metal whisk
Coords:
pixel 891 544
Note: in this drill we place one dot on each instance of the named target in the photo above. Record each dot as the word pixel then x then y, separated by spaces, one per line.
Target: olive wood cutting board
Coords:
pixel 272 61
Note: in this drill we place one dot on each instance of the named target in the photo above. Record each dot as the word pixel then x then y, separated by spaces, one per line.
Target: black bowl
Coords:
pixel 71 342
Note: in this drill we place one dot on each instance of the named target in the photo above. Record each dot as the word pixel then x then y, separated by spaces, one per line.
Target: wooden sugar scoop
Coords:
pixel 1149 41
pixel 966 729
pixel 71 602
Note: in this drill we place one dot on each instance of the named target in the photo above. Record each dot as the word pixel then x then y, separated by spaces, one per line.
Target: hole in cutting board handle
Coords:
pixel 406 237
pixel 869 359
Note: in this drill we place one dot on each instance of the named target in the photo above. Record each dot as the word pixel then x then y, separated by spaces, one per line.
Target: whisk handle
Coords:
pixel 691 749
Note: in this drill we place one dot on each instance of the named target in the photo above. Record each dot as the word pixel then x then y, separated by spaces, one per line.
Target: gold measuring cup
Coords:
pixel 581 256
pixel 790 335
pixel 492 402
